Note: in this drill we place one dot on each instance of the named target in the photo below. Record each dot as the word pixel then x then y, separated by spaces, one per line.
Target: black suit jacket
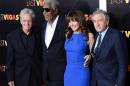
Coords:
pixel 24 67
pixel 110 63
pixel 54 57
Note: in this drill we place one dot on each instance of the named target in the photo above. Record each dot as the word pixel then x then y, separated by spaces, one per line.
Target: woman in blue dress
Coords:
pixel 78 42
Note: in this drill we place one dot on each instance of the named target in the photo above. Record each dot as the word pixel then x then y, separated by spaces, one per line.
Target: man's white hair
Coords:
pixel 27 11
pixel 104 13
pixel 52 3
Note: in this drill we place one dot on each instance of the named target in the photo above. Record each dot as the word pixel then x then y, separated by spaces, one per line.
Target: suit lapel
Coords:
pixel 44 30
pixel 19 39
pixel 32 43
pixel 105 40
pixel 103 43
pixel 57 30
pixel 94 44
pixel 43 33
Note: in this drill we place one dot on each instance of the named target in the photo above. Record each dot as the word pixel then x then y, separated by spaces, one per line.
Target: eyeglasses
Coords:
pixel 46 9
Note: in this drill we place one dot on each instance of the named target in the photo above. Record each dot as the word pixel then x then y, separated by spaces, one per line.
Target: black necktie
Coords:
pixel 99 43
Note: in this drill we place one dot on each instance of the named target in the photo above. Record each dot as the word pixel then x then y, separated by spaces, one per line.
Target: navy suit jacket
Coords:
pixel 54 57
pixel 23 65
pixel 110 63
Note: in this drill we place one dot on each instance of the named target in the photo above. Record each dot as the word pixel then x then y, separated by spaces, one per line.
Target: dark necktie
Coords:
pixel 99 43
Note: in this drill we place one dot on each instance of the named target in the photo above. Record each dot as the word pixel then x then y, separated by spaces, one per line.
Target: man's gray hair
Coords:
pixel 104 13
pixel 52 3
pixel 27 11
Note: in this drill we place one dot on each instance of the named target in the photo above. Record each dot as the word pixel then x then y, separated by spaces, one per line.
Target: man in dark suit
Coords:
pixel 53 38
pixel 24 53
pixel 109 53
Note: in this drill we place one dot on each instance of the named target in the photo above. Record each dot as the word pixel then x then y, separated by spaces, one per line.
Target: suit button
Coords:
pixel 47 51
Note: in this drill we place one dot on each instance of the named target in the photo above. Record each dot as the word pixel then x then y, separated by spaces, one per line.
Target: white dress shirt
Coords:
pixel 103 34
pixel 50 29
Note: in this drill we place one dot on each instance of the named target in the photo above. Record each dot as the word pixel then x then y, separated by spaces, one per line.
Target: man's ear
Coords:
pixel 56 11
pixel 20 22
pixel 107 23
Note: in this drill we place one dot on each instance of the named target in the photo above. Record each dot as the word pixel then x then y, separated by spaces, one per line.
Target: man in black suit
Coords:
pixel 109 53
pixel 53 38
pixel 24 53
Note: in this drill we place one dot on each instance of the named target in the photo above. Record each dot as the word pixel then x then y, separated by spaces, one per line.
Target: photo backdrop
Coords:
pixel 9 20
pixel 119 11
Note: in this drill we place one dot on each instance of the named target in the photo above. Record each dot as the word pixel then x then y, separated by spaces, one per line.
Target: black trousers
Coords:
pixel 50 82
pixel 35 80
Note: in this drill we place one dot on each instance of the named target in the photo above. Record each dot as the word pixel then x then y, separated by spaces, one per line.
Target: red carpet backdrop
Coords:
pixel 120 18
pixel 9 20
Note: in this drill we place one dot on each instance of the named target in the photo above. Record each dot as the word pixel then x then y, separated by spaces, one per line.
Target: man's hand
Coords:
pixel 11 83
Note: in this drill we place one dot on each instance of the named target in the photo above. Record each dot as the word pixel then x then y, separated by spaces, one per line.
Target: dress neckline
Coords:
pixel 77 33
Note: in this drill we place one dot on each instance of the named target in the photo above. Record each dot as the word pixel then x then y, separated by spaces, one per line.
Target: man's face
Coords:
pixel 26 21
pixel 99 22
pixel 49 13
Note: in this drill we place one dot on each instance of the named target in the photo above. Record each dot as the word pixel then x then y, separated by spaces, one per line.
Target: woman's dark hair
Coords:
pixel 78 16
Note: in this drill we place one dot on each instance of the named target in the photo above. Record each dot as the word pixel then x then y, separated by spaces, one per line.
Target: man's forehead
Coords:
pixel 47 5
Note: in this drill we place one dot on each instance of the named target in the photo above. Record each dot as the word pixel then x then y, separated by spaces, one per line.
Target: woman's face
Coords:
pixel 74 25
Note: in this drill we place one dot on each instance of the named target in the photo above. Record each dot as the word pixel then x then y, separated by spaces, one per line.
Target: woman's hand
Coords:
pixel 87 60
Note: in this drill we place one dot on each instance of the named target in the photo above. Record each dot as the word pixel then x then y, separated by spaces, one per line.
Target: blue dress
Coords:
pixel 75 73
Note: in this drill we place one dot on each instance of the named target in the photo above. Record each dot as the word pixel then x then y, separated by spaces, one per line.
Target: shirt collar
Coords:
pixel 54 22
pixel 21 31
pixel 103 32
